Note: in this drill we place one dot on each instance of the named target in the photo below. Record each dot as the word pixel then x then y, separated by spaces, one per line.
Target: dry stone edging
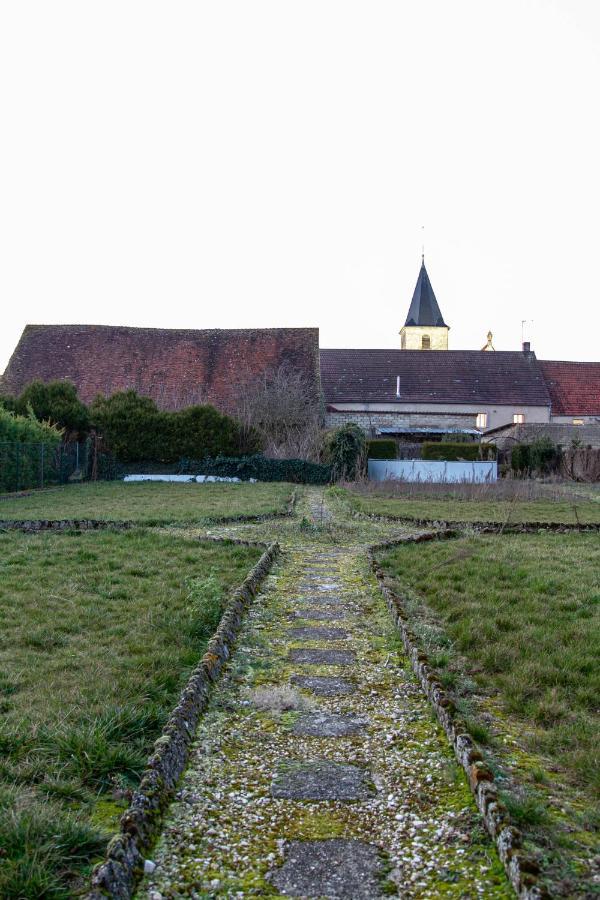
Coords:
pixel 261 517
pixel 522 871
pixel 123 866
pixel 35 525
pixel 30 526
pixel 483 527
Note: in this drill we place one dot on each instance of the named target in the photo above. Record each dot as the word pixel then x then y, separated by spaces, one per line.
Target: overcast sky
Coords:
pixel 254 164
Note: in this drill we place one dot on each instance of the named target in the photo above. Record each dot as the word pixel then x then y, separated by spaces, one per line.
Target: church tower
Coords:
pixel 424 328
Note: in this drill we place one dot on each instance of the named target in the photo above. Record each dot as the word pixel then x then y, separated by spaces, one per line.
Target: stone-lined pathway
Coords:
pixel 318 770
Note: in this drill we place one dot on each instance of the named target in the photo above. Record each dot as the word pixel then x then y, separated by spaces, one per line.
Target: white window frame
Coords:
pixel 519 419
pixel 481 420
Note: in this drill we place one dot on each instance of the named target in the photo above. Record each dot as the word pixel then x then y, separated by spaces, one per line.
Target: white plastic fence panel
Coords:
pixel 422 470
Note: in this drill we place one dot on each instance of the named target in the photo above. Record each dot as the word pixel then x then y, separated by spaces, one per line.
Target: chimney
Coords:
pixel 526 347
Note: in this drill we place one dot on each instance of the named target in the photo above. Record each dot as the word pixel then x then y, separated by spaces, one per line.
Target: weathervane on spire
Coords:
pixel 423 244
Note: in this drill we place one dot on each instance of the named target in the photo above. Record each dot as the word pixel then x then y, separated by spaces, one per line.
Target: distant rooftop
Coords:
pixel 574 387
pixel 455 376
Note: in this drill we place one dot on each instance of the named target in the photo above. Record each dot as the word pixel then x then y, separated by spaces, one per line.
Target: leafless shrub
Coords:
pixel 515 490
pixel 283 407
pixel 581 464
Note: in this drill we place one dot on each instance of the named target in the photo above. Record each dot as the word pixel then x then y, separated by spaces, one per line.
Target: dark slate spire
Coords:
pixel 424 309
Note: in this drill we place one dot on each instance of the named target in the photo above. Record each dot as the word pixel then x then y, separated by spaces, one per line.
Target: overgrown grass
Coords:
pixel 505 502
pixel 524 610
pixel 150 503
pixel 512 625
pixel 98 633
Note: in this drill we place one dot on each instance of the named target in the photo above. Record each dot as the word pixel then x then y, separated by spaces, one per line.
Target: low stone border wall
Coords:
pixel 33 525
pixel 482 527
pixel 123 866
pixel 521 870
pixel 243 517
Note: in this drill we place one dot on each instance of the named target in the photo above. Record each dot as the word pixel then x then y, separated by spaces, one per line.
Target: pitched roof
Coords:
pixel 176 367
pixel 574 387
pixel 560 434
pixel 434 376
pixel 424 309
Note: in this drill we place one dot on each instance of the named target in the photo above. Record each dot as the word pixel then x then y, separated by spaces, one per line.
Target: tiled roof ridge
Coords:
pixel 84 325
pixel 570 362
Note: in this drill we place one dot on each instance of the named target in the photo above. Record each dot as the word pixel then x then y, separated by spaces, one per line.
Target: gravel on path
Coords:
pixel 271 808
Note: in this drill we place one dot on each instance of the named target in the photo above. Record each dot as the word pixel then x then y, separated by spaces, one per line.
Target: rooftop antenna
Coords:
pixel 523 324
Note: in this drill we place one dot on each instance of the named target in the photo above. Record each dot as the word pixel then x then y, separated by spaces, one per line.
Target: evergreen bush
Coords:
pixel 519 458
pixel 26 446
pixel 135 429
pixel 541 455
pixel 382 448
pixel 458 451
pixel 297 471
pixel 346 451
pixel 56 402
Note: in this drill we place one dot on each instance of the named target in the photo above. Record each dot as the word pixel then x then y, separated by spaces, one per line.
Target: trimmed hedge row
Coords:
pixel 134 429
pixel 297 471
pixel 382 448
pixel 454 452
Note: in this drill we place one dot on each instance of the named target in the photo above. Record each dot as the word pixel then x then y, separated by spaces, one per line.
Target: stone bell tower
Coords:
pixel 424 328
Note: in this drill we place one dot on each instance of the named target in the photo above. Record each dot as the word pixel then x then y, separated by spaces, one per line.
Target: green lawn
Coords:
pixel 98 633
pixel 516 619
pixel 485 509
pixel 150 504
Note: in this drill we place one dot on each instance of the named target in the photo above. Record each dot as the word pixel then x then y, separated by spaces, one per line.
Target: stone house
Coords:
pixel 417 394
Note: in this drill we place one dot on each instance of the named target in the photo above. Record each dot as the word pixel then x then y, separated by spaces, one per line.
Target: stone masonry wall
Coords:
pixel 398 420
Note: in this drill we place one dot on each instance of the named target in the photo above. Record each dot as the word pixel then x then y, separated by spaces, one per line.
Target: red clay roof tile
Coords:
pixel 574 387
pixel 176 367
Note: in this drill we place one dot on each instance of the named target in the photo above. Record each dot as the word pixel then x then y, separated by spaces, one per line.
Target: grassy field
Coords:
pixel 517 619
pixel 149 504
pixel 475 504
pixel 98 633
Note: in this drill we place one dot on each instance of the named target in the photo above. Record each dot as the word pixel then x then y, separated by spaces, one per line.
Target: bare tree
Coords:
pixel 283 406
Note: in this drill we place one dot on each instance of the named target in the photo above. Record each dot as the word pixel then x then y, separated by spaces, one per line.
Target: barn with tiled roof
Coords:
pixel 175 367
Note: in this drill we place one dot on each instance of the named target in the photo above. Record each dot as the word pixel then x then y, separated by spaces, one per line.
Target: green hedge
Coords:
pixel 27 449
pixel 133 429
pixel 382 448
pixel 298 471
pixel 455 452
pixel 542 455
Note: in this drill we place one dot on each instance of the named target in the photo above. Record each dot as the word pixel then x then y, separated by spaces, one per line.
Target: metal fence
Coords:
pixel 26 466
